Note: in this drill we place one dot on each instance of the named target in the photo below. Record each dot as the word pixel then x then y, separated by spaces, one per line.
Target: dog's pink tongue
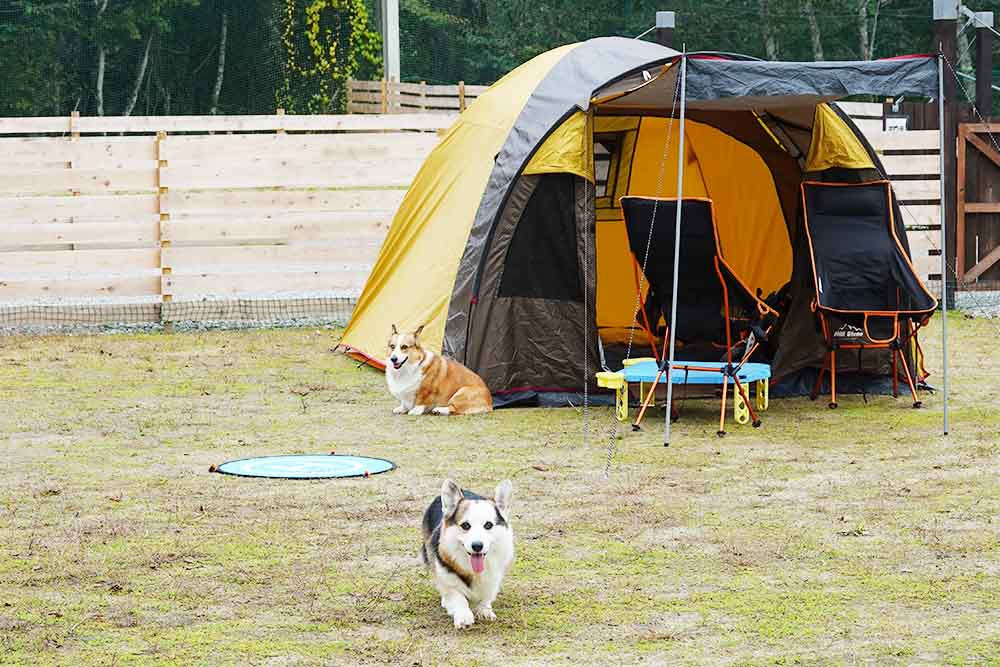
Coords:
pixel 478 562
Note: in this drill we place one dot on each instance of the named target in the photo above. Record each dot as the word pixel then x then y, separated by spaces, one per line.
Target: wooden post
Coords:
pixel 74 129
pixel 664 32
pixel 281 121
pixel 350 96
pixel 163 238
pixel 461 96
pixel 423 96
pixel 385 96
pixel 960 204
pixel 945 42
pixel 984 66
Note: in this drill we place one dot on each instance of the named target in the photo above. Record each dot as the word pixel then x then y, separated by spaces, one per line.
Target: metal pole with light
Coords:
pixel 677 251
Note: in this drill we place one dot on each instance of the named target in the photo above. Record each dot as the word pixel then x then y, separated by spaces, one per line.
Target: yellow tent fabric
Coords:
pixel 412 279
pixel 752 230
pixel 570 149
pixel 834 144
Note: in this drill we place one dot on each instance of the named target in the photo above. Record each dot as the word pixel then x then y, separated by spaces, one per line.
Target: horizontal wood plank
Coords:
pixel 304 148
pixel 85 208
pixel 912 140
pixel 77 234
pixel 264 204
pixel 861 109
pixel 921 215
pixel 288 173
pixel 262 284
pixel 911 165
pixel 82 180
pixel 348 249
pixel 925 190
pixel 83 261
pixel 278 231
pixel 116 152
pixel 80 287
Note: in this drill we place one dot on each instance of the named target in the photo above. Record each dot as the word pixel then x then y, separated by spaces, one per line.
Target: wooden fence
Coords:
pixel 912 161
pixel 183 208
pixel 380 97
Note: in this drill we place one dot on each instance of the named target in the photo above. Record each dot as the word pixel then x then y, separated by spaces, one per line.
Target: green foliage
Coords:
pixel 326 42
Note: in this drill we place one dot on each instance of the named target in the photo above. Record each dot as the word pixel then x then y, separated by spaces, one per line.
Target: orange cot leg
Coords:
pixel 754 419
pixel 647 400
pixel 895 378
pixel 909 380
pixel 722 411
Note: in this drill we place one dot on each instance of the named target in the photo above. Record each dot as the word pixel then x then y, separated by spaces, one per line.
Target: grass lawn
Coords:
pixel 859 536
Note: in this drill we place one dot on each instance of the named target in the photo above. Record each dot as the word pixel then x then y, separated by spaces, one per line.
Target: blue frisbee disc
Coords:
pixel 306 466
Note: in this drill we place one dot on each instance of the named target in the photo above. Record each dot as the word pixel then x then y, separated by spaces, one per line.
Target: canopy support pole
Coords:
pixel 944 247
pixel 677 252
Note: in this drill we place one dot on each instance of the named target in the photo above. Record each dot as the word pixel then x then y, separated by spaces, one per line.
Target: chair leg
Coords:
pixel 909 380
pixel 819 382
pixel 722 410
pixel 895 378
pixel 646 401
pixel 754 419
pixel 833 379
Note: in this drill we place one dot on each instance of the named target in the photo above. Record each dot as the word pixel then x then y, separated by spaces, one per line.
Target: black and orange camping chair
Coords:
pixel 713 304
pixel 868 295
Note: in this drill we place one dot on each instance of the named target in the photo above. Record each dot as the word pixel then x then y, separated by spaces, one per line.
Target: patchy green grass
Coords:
pixel 859 536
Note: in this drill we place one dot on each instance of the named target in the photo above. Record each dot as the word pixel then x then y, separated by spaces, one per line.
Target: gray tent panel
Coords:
pixel 568 86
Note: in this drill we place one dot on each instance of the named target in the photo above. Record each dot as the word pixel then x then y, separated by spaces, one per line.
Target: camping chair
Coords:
pixel 713 304
pixel 868 295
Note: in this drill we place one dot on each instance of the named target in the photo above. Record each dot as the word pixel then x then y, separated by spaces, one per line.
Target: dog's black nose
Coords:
pixel 477 546
pixel 393 358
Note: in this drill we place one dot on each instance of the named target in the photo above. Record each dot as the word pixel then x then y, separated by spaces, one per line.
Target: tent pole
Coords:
pixel 944 246
pixel 677 251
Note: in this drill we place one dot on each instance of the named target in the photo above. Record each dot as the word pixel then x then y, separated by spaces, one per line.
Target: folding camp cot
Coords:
pixel 713 304
pixel 868 295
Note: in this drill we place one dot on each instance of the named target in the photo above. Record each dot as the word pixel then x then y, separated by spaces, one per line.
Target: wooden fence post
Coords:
pixel 163 238
pixel 461 96
pixel 423 96
pixel 385 96
pixel 281 121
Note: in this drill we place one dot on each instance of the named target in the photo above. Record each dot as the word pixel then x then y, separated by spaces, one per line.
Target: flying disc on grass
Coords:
pixel 306 466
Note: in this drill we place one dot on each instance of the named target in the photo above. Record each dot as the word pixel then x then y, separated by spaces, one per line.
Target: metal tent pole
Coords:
pixel 677 252
pixel 944 247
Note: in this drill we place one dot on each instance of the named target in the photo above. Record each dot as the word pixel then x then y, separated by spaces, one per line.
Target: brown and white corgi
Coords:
pixel 423 381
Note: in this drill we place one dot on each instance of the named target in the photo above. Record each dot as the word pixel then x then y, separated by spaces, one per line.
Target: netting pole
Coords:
pixel 677 251
pixel 163 239
pixel 944 251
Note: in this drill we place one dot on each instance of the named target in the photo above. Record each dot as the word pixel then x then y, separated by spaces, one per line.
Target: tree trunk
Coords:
pixel 139 77
pixel 220 72
pixel 770 43
pixel 817 42
pixel 863 52
pixel 101 5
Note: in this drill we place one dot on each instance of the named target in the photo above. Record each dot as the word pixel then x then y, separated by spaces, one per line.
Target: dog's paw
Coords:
pixel 399 410
pixel 464 619
pixel 485 614
pixel 417 410
pixel 442 411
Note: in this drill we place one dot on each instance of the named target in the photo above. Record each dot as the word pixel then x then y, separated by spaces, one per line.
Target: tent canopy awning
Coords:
pixel 715 83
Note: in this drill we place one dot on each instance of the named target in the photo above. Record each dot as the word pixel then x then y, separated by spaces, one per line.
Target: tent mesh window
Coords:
pixel 542 259
pixel 606 149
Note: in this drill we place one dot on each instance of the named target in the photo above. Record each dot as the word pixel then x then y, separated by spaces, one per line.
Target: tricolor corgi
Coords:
pixel 424 381
pixel 468 547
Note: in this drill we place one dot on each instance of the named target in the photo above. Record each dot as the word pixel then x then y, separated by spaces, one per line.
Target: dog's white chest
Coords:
pixel 403 384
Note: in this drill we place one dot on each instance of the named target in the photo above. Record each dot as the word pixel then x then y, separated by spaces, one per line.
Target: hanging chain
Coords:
pixel 613 424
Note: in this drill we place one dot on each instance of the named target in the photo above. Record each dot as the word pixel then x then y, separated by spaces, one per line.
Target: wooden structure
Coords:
pixel 381 97
pixel 155 209
pixel 978 203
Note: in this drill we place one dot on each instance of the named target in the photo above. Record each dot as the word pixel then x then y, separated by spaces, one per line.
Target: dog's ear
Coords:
pixel 502 498
pixel 394 330
pixel 418 330
pixel 451 495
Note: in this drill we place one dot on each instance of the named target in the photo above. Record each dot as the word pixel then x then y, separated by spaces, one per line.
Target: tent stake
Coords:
pixel 944 246
pixel 677 250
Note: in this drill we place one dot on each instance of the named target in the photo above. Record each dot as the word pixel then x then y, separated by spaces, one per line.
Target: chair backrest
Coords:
pixel 859 265
pixel 702 277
